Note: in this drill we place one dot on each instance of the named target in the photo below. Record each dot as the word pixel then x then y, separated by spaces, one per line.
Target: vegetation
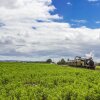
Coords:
pixel 62 62
pixel 31 81
pixel 49 61
pixel 98 64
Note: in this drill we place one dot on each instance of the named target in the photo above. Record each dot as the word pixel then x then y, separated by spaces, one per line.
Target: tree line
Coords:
pixel 60 62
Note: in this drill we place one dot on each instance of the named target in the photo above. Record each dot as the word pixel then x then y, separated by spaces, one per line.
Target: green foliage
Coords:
pixel 61 62
pixel 49 61
pixel 31 81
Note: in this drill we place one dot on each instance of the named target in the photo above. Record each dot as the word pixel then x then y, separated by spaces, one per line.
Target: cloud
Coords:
pixel 97 22
pixel 93 0
pixel 28 31
pixel 69 3
pixel 7 4
pixel 90 55
pixel 2 24
pixel 79 21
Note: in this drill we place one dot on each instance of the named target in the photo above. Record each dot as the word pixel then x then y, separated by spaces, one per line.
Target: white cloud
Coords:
pixel 79 21
pixel 69 3
pixel 93 0
pixel 47 38
pixel 89 55
pixel 97 22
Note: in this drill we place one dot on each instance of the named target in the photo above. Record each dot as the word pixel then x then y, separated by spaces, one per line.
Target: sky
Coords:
pixel 79 12
pixel 40 29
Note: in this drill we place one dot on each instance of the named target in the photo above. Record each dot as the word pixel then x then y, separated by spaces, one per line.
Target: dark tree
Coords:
pixel 68 59
pixel 62 62
pixel 49 61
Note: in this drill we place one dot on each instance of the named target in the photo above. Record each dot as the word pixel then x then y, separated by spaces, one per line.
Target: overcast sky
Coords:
pixel 41 29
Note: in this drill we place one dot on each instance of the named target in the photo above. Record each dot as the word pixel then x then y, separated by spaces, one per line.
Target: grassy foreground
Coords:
pixel 30 81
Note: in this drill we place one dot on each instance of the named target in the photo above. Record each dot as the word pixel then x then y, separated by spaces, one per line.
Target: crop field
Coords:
pixel 34 81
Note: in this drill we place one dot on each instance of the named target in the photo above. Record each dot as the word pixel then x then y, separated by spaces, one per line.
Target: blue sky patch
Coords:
pixel 86 10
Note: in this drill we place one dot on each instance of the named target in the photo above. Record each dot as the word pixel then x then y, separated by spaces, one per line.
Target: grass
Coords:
pixel 34 81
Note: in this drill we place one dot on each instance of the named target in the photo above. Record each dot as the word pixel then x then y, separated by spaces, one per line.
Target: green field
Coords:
pixel 31 81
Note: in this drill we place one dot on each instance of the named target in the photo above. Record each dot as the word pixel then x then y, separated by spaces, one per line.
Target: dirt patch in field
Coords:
pixel 30 84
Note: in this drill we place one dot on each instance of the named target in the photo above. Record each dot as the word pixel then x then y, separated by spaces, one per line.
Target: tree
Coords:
pixel 49 61
pixel 62 62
